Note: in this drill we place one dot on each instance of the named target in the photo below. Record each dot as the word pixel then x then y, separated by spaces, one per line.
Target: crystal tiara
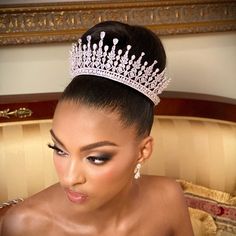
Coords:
pixel 98 60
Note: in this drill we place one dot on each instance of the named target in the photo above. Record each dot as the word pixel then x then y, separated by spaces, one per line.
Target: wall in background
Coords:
pixel 199 63
pixel 204 63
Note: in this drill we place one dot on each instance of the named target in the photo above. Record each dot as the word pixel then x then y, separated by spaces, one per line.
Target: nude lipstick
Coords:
pixel 76 197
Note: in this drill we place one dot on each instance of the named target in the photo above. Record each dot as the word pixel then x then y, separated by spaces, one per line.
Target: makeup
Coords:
pixel 76 197
pixel 57 150
pixel 100 159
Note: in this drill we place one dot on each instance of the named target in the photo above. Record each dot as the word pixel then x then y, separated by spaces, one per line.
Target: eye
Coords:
pixel 98 160
pixel 58 151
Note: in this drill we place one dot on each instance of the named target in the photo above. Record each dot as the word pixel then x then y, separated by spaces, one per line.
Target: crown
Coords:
pixel 98 60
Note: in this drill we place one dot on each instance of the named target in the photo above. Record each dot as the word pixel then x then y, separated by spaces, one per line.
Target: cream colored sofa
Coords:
pixel 199 153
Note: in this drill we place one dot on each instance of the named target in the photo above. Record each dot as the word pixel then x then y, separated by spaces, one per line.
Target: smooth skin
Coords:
pixel 96 155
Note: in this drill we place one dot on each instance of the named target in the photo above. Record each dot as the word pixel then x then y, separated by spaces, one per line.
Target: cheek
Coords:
pixel 109 173
pixel 59 165
pixel 108 181
pixel 115 171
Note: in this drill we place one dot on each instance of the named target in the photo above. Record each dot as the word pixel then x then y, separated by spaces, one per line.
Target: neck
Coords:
pixel 121 204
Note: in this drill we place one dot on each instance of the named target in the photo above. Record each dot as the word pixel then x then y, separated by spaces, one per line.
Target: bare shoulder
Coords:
pixel 163 186
pixel 30 216
pixel 171 203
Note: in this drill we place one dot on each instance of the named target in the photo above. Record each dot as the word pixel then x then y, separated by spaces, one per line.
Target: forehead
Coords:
pixel 81 113
pixel 86 124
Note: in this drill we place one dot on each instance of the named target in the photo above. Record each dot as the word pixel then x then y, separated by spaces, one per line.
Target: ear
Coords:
pixel 145 149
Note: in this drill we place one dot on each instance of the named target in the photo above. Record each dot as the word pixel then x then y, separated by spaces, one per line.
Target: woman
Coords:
pixel 101 138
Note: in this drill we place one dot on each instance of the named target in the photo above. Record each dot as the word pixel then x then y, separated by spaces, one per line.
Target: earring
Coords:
pixel 137 173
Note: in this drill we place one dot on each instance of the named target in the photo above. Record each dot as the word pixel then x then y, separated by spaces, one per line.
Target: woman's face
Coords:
pixel 94 155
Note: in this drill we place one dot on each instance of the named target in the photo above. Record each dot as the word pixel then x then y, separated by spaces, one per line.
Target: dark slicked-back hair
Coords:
pixel 133 107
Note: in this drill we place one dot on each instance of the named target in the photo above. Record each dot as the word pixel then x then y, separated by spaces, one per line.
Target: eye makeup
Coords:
pixel 100 159
pixel 93 159
pixel 58 151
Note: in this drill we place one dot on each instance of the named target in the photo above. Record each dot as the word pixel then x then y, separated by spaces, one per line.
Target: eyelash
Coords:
pixel 58 151
pixel 97 160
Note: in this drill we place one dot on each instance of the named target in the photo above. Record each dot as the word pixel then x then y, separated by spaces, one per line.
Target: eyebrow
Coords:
pixel 87 147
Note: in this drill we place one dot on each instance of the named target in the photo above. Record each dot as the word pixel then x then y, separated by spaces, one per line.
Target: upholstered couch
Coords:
pixel 200 153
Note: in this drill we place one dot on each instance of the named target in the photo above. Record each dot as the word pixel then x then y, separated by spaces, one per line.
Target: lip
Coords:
pixel 76 197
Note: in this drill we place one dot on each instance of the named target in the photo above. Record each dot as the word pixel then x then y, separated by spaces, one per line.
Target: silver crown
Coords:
pixel 118 66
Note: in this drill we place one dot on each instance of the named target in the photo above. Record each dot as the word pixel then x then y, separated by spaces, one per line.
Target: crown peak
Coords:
pixel 102 35
pixel 115 41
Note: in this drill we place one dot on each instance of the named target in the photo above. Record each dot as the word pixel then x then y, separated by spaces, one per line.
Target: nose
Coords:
pixel 74 174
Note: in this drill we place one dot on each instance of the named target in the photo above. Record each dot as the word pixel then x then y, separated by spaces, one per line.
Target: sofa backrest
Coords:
pixel 202 151
pixel 26 164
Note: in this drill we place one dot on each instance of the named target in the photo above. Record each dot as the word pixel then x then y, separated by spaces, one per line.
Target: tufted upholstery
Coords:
pixel 202 151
